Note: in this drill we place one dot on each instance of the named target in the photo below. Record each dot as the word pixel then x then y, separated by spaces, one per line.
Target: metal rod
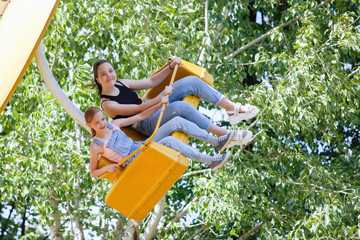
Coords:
pixel 162 109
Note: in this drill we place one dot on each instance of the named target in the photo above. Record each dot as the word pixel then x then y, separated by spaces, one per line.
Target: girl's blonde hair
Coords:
pixel 89 115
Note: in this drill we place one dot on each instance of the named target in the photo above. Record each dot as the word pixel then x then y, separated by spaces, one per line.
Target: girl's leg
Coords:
pixel 214 162
pixel 218 131
pixel 191 129
pixel 181 124
pixel 178 145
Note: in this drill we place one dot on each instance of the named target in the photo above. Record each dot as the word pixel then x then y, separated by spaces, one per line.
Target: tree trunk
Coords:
pixel 78 220
pixel 106 226
pixel 3 228
pixel 206 40
pixel 55 228
pixel 155 219
pixel 132 230
pixel 23 222
pixel 119 229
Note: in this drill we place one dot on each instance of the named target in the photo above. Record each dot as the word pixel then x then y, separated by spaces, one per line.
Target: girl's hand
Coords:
pixel 165 100
pixel 176 60
pixel 112 167
pixel 168 90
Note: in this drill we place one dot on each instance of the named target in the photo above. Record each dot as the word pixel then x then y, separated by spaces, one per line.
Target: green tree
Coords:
pixel 297 60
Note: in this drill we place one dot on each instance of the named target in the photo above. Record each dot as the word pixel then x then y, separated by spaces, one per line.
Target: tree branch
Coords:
pixel 325 189
pixel 248 234
pixel 22 156
pixel 259 39
pixel 195 172
pixel 353 73
pixel 252 63
pixel 200 231
pixel 23 135
pixel 180 214
pixel 262 37
pixel 308 103
pixel 356 175
pixel 258 118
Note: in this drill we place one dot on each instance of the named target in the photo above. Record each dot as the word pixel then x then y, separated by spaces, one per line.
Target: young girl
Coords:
pixel 115 145
pixel 119 100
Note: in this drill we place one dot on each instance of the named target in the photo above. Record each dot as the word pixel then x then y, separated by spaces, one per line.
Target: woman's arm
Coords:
pixel 141 116
pixel 94 158
pixel 112 108
pixel 152 81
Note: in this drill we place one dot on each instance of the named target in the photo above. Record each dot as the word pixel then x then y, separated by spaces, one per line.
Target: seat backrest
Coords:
pixel 187 69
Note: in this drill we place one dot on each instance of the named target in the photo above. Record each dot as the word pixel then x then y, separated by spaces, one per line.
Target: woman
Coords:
pixel 112 143
pixel 119 100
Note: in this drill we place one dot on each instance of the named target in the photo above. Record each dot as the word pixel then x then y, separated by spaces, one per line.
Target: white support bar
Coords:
pixel 3 5
pixel 56 90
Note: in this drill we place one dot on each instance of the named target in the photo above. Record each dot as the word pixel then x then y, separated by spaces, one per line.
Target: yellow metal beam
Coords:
pixel 22 27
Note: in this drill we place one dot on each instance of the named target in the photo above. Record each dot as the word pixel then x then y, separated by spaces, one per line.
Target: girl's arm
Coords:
pixel 152 81
pixel 141 116
pixel 94 156
pixel 112 108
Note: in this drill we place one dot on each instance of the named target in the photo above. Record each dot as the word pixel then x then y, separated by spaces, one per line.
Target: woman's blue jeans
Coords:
pixel 184 87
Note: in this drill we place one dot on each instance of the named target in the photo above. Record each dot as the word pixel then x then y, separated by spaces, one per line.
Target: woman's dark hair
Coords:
pixel 95 72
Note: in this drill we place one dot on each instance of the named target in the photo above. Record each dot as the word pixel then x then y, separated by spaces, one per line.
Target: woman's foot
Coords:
pixel 242 112
pixel 219 160
pixel 241 137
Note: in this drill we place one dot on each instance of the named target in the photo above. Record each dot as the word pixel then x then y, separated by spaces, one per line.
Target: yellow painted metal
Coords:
pixel 187 69
pixel 137 188
pixel 146 180
pixel 21 29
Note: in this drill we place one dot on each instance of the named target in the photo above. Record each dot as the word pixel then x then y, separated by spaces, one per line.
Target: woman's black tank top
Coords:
pixel 125 96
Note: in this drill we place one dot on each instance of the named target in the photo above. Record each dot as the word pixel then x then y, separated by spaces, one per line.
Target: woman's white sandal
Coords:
pixel 238 116
pixel 238 138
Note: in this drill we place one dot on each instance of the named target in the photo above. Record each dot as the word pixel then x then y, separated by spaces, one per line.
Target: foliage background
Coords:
pixel 298 180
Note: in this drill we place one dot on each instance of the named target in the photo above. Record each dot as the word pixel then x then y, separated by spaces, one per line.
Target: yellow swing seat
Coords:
pixel 137 188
